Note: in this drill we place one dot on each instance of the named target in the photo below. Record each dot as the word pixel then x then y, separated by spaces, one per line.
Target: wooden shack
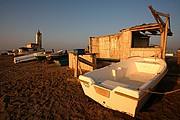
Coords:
pixel 134 41
pixel 129 42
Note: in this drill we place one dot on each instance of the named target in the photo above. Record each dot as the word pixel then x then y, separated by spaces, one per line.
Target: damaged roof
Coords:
pixel 152 28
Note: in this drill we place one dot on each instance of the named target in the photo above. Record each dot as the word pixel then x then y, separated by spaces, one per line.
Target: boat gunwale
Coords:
pixel 125 95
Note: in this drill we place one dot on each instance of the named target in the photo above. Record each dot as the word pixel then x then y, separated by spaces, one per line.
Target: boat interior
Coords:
pixel 133 74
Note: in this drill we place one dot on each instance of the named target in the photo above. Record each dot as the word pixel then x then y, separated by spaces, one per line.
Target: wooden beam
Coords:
pixel 147 25
pixel 165 37
pixel 108 59
pixel 76 66
pixel 162 14
pixel 85 61
pixel 145 28
pixel 153 13
pixel 158 18
pixel 165 31
pixel 80 70
pixel 162 42
pixel 94 62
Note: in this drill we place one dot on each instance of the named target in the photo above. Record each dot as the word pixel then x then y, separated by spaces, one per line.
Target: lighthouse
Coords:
pixel 39 39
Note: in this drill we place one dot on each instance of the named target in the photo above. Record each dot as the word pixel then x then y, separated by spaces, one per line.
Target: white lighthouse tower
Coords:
pixel 39 39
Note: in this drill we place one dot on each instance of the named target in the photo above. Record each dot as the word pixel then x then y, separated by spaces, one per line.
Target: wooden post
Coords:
pixel 165 37
pixel 79 67
pixel 76 66
pixel 162 43
pixel 90 45
pixel 163 28
pixel 94 62
pixel 78 59
pixel 178 60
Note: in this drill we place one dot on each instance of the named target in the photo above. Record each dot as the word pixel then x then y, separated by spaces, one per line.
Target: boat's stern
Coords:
pixel 116 99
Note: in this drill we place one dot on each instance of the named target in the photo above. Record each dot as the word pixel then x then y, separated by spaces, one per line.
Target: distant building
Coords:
pixel 24 50
pixel 39 39
pixel 30 47
pixel 38 45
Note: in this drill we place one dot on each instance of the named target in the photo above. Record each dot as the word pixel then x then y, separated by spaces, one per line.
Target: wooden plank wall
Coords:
pixel 94 45
pixel 145 52
pixel 106 46
pixel 125 44
pixel 114 46
pixel 119 46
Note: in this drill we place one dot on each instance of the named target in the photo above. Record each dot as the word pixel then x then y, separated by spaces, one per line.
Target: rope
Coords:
pixel 162 93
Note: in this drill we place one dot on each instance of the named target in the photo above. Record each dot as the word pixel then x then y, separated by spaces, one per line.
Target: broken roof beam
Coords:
pixel 158 19
pixel 156 15
pixel 162 14
pixel 151 27
pixel 145 27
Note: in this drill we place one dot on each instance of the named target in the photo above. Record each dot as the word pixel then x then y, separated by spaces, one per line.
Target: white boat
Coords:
pixel 121 86
pixel 42 56
pixel 24 58
pixel 57 55
pixel 9 52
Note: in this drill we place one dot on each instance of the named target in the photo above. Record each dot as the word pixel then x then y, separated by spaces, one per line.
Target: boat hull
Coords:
pixel 62 60
pixel 125 94
pixel 25 58
pixel 41 58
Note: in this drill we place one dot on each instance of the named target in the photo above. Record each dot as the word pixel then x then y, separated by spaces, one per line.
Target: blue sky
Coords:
pixel 67 24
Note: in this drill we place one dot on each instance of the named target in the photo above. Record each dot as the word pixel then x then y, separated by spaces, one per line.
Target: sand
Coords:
pixel 37 90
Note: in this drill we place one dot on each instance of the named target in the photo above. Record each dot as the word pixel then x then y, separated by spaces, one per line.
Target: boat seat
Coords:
pixel 147 67
pixel 117 73
pixel 110 84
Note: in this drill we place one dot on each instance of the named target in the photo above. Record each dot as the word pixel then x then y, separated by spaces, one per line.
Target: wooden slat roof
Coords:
pixel 153 28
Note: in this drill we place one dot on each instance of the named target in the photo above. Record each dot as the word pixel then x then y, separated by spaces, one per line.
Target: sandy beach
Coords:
pixel 37 90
